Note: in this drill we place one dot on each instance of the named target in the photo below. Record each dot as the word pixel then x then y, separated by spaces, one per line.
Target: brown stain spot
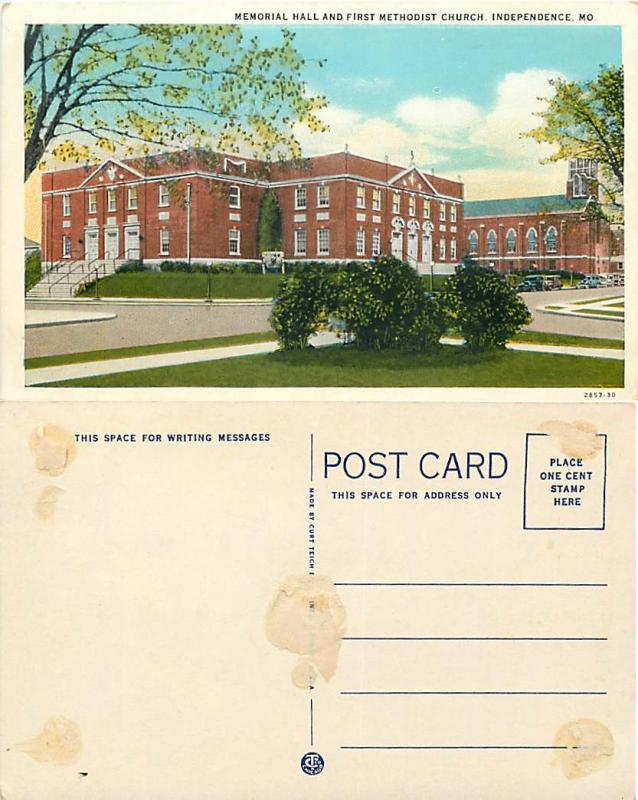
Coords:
pixel 589 744
pixel 577 439
pixel 307 617
pixel 53 448
pixel 58 743
pixel 46 503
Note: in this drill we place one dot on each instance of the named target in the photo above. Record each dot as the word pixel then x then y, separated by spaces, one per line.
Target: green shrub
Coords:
pixel 301 306
pixel 385 305
pixel 484 308
pixel 32 269
pixel 382 303
pixel 132 266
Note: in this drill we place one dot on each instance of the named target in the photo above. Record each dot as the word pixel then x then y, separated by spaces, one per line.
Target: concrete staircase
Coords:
pixel 65 278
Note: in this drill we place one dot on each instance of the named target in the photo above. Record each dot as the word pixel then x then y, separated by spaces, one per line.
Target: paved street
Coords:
pixel 554 323
pixel 152 322
pixel 147 323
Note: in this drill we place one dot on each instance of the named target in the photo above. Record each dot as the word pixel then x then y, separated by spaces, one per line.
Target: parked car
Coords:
pixel 533 283
pixel 590 282
pixel 552 282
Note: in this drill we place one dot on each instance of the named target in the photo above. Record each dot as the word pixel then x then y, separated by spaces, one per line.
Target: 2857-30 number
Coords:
pixel 600 395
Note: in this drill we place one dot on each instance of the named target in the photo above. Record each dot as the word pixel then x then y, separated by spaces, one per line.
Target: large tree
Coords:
pixel 587 120
pixel 132 88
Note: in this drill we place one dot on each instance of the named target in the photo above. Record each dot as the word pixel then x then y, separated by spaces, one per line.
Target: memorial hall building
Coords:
pixel 546 233
pixel 192 206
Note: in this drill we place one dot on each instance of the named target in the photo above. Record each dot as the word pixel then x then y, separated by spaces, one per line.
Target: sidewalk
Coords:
pixel 90 368
pixel 112 366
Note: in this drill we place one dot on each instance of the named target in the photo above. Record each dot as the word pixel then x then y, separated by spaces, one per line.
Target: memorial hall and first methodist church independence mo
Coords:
pixel 334 208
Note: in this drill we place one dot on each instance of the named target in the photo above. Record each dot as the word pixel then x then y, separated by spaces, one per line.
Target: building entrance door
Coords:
pixel 111 243
pixel 427 250
pixel 397 244
pixel 132 243
pixel 412 249
pixel 91 246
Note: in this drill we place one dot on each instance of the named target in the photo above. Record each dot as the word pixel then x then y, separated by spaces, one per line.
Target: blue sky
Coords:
pixel 456 95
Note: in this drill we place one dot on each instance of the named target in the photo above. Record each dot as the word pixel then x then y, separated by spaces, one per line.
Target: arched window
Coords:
pixel 472 242
pixel 550 240
pixel 491 242
pixel 532 241
pixel 511 240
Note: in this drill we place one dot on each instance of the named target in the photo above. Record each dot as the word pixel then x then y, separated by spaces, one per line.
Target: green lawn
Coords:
pixel 147 350
pixel 604 313
pixel 567 340
pixel 184 285
pixel 345 366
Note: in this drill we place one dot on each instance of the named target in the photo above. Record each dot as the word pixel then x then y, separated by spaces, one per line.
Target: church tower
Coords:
pixel 582 178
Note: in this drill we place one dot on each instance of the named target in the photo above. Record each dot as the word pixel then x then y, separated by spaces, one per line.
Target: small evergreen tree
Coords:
pixel 269 223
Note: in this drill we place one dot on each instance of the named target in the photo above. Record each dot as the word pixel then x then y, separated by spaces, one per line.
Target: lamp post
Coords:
pixel 189 187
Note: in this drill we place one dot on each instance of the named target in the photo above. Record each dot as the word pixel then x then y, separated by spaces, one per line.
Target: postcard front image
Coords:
pixel 241 203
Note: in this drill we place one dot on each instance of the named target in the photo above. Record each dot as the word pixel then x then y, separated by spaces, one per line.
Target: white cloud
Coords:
pixel 449 121
pixel 438 129
pixel 367 136
pixel 517 100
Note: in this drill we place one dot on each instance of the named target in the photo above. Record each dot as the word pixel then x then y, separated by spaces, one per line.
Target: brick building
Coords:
pixel 548 232
pixel 191 206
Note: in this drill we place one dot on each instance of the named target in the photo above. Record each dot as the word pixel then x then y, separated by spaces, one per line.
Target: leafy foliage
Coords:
pixel 385 305
pixel 382 302
pixel 483 307
pixel 92 90
pixel 302 305
pixel 32 269
pixel 269 223
pixel 587 120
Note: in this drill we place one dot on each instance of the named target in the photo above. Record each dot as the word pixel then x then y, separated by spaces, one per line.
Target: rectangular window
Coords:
pixel 92 203
pixel 361 197
pixel 66 247
pixel 453 212
pixel 300 197
pixel 376 243
pixel 111 200
pixel 234 197
pixel 323 242
pixel 163 195
pixel 323 196
pixel 301 242
pixel 453 248
pixel 426 209
pixel 442 212
pixel 376 199
pixel 164 241
pixel 442 249
pixel 361 242
pixel 66 205
pixel 411 205
pixel 396 203
pixel 132 198
pixel 233 242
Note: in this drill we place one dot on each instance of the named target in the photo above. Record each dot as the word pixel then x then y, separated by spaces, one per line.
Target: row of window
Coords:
pixel 323 243
pixel 111 200
pixel 531 238
pixel 323 201
pixel 234 200
pixel 300 242
pixel 165 243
